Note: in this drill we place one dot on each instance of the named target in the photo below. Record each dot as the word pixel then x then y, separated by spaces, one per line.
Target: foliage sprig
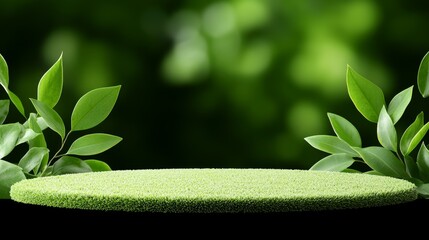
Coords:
pixel 39 161
pixel 395 156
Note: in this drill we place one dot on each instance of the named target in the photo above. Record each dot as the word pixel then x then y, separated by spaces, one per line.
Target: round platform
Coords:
pixel 214 190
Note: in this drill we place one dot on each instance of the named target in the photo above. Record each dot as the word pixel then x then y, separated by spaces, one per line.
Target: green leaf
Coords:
pixel 93 144
pixel 386 132
pixel 97 165
pixel 9 175
pixel 345 130
pixel 423 162
pixel 9 134
pixel 373 172
pixel 4 73
pixel 349 170
pixel 26 135
pixel 423 190
pixel 32 158
pixel 16 102
pixel 4 110
pixel 38 141
pixel 67 164
pixel 383 161
pixel 51 117
pixel 335 163
pixel 51 84
pixel 93 107
pixel 330 144
pixel 423 76
pixel 366 96
pixel 410 133
pixel 399 103
pixel 411 167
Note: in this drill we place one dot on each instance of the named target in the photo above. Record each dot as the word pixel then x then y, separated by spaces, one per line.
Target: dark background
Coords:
pixel 235 83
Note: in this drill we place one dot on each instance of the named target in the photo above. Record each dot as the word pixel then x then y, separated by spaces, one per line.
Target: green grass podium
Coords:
pixel 214 191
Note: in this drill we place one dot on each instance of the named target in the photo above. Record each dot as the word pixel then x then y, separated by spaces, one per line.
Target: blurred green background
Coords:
pixel 234 83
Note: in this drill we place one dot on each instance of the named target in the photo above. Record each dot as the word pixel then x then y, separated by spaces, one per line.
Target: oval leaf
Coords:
pixel 423 162
pixel 93 144
pixel 32 158
pixel 411 167
pixel 383 161
pixel 9 134
pixel 38 141
pixel 386 132
pixel 9 175
pixel 423 76
pixel 16 102
pixel 423 190
pixel 345 130
pixel 335 163
pixel 373 172
pixel 98 166
pixel 51 117
pixel 409 134
pixel 67 164
pixel 418 138
pixel 93 107
pixel 4 110
pixel 350 170
pixel 4 73
pixel 330 144
pixel 366 96
pixel 399 103
pixel 51 84
pixel 26 135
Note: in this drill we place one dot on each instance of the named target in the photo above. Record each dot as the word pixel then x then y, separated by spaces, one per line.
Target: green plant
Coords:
pixel 395 155
pixel 91 109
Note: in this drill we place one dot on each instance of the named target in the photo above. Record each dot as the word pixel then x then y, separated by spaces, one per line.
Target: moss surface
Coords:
pixel 214 190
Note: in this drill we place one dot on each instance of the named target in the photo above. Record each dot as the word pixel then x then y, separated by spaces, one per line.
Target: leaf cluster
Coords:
pixel 39 161
pixel 395 156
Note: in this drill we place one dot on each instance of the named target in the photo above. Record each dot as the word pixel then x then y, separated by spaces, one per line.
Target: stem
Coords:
pixel 57 154
pixel 399 156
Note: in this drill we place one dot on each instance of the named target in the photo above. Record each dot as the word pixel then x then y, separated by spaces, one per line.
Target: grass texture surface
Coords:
pixel 213 190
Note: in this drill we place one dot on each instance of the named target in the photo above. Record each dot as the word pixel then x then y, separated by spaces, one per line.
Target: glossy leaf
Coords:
pixel 38 141
pixel 32 158
pixel 93 144
pixel 423 190
pixel 423 76
pixel 423 162
pixel 330 144
pixel 350 170
pixel 93 107
pixel 383 161
pixel 51 117
pixel 9 175
pixel 51 84
pixel 409 134
pixel 373 172
pixel 9 134
pixel 411 167
pixel 67 164
pixel 4 73
pixel 345 130
pixel 366 96
pixel 4 110
pixel 97 165
pixel 16 102
pixel 335 162
pixel 386 132
pixel 399 103
pixel 26 135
